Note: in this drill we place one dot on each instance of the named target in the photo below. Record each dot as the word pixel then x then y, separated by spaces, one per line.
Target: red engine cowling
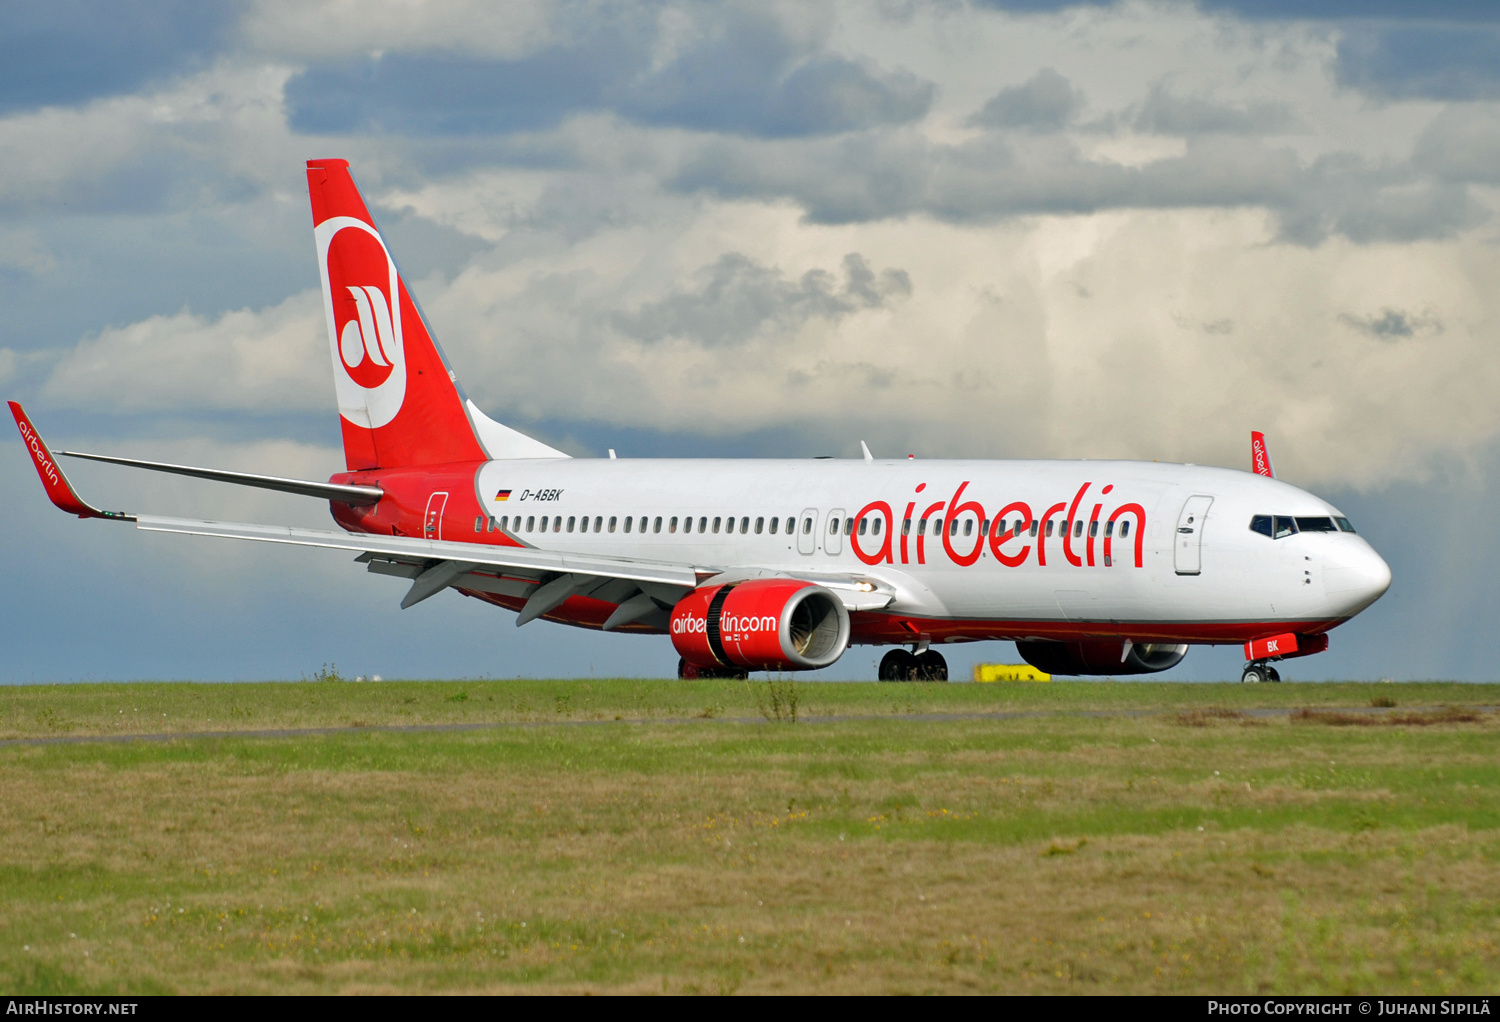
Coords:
pixel 768 624
pixel 1109 656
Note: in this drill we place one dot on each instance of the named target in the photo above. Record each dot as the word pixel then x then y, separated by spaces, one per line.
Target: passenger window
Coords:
pixel 1034 525
pixel 672 524
pixel 628 519
pixel 717 523
pixel 571 522
pixel 479 524
pixel 806 526
pixel 687 524
pixel 557 524
pixel 1125 528
pixel 953 527
pixel 984 527
pixel 1050 523
pixel 791 525
pixel 848 526
pixel 612 521
pixel 760 526
pixel 1078 528
pixel 1262 525
pixel 583 524
pixel 504 520
pixel 1093 529
pixel 703 524
pixel 833 526
pixel 906 526
pixel 745 525
pixel 544 524
pixel 937 526
pixel 530 522
pixel 656 524
pixel 864 526
pixel 1316 525
pixel 922 527
pixel 1344 525
pixel 875 525
pixel 598 522
pixel 968 526
pixel 775 524
pixel 1284 527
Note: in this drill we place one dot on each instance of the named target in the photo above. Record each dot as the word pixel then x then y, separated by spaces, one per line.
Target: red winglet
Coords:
pixel 1260 455
pixel 59 490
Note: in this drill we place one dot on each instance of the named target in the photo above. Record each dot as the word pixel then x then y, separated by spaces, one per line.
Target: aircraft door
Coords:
pixel 807 531
pixel 1188 540
pixel 833 532
pixel 432 523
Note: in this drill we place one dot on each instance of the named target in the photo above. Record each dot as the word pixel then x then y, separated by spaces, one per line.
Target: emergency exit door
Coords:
pixel 1188 545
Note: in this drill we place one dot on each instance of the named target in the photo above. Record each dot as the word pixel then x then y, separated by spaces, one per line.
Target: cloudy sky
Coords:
pixel 982 229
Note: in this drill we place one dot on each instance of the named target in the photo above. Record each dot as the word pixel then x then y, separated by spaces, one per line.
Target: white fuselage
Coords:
pixel 1211 579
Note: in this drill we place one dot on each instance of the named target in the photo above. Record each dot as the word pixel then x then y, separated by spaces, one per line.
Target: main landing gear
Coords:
pixel 902 665
pixel 692 672
pixel 1257 671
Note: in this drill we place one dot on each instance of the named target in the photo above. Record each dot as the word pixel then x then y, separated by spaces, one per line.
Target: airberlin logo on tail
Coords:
pixel 363 340
pixel 362 303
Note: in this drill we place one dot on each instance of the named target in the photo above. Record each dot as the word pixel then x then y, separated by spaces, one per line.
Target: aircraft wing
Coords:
pixel 643 590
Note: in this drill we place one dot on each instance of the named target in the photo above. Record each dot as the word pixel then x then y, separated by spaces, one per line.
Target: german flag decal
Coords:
pixel 503 495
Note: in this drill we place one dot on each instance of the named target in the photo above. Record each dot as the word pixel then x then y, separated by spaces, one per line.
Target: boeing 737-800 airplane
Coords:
pixel 1091 567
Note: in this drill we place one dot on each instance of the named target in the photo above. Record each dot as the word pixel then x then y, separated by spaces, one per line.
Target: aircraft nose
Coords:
pixel 1355 577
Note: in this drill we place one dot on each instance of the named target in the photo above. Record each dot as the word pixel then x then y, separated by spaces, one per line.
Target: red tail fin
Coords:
pixel 1260 455
pixel 399 402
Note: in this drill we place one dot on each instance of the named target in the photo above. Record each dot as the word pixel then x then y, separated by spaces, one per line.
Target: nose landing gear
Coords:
pixel 1257 671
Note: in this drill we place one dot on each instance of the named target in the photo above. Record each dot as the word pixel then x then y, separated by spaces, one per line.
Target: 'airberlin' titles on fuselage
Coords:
pixel 1028 527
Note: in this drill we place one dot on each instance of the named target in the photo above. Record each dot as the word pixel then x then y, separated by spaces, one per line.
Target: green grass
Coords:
pixel 1162 848
pixel 155 707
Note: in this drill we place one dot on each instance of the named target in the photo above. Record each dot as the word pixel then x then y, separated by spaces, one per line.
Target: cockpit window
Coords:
pixel 1261 524
pixel 1284 527
pixel 1316 525
pixel 1344 525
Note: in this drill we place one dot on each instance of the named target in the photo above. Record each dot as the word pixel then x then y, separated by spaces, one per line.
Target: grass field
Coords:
pixel 667 836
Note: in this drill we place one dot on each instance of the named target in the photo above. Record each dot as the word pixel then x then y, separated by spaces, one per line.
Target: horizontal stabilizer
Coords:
pixel 355 495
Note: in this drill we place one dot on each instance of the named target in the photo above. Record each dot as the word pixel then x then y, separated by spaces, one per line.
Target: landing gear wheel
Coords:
pixel 931 666
pixel 692 672
pixel 1271 674
pixel 1253 675
pixel 898 665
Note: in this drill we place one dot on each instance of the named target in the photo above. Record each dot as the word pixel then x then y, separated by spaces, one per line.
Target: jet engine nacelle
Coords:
pixel 768 624
pixel 1105 657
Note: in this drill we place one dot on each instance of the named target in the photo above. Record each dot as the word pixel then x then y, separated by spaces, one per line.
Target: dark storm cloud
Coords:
pixel 1166 113
pixel 736 298
pixel 898 173
pixel 1046 101
pixel 65 52
pixel 1393 324
pixel 747 76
